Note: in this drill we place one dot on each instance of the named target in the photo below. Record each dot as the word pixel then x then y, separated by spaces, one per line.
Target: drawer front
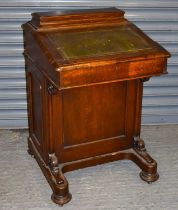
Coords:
pixel 115 72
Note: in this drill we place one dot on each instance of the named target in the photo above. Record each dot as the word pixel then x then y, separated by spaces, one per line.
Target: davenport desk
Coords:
pixel 85 72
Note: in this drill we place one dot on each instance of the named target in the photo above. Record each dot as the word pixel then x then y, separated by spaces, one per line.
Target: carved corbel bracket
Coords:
pixel 53 164
pixel 52 90
pixel 139 146
pixel 144 79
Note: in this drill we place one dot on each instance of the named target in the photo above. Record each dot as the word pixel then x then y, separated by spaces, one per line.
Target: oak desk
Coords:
pixel 85 73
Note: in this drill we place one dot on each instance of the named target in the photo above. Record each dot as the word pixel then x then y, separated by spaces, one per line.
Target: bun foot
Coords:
pixel 149 178
pixel 60 200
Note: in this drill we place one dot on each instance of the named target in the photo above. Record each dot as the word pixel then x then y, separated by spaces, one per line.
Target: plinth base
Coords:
pixel 54 171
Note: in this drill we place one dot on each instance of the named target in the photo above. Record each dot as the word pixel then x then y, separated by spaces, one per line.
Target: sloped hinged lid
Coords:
pixel 87 41
pixel 97 42
pixel 85 35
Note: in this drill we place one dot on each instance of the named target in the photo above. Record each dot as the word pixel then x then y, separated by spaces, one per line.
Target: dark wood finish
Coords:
pixel 85 106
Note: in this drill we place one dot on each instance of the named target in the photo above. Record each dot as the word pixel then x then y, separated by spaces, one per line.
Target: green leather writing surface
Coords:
pixel 97 42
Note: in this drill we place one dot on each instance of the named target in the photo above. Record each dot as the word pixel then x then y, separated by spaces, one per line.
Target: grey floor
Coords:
pixel 113 186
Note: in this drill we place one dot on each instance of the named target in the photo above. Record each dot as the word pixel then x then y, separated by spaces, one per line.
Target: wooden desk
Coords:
pixel 85 73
